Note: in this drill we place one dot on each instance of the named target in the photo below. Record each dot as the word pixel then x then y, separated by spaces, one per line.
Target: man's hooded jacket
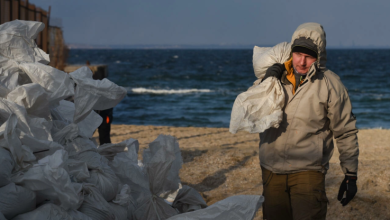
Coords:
pixel 315 113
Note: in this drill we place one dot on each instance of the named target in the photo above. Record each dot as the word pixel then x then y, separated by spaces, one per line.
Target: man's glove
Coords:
pixel 348 185
pixel 275 70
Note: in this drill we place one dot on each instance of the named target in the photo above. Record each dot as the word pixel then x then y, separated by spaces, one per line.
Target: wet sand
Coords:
pixel 219 164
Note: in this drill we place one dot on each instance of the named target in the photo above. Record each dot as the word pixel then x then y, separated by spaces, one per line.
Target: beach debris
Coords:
pixel 50 166
pixel 260 107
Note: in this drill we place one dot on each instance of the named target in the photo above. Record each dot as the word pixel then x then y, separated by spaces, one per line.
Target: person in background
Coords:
pixel 294 158
pixel 104 129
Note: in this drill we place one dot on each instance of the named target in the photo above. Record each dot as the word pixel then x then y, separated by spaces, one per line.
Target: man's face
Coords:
pixel 302 62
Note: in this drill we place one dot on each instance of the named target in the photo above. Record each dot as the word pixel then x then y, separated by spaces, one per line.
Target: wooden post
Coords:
pixel 27 10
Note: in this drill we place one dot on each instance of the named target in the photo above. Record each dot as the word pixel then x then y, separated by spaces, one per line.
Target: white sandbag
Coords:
pixel 45 211
pixel 124 198
pixel 77 170
pixel 17 41
pixel 40 148
pixel 259 108
pixel 17 45
pixel 110 150
pixel 264 57
pixel 7 108
pixel 36 127
pixel 76 215
pixel 105 180
pixel 56 83
pixel 164 183
pixel 10 74
pixel 7 165
pixel 40 128
pixel 125 166
pixel 3 90
pixel 87 126
pixel 163 175
pixel 15 200
pixel 94 94
pixel 120 212
pixel 66 135
pixel 50 181
pixel 188 200
pixel 33 98
pixel 241 207
pixel 94 205
pixel 9 139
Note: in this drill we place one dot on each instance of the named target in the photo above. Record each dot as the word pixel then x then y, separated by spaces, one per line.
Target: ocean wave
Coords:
pixel 169 91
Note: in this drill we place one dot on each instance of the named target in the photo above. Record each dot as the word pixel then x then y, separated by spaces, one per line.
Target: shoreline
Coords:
pixel 219 164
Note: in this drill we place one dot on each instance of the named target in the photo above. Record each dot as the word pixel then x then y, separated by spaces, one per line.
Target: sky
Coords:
pixel 348 23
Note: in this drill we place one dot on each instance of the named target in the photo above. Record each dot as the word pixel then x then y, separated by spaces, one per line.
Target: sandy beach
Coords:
pixel 219 164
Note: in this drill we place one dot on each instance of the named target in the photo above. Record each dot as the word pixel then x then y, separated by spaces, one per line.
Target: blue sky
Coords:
pixel 222 22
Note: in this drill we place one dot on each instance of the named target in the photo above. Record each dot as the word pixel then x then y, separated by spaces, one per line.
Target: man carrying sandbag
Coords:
pixel 294 157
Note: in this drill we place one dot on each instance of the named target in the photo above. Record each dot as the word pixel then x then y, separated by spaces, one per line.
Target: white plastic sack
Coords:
pixel 46 211
pixel 7 165
pixel 36 127
pixel 264 57
pixel 241 207
pixel 110 150
pixel 94 205
pixel 76 215
pixel 124 199
pixel 40 148
pixel 17 45
pixel 11 76
pixel 164 183
pixel 105 180
pixel 9 139
pixel 17 41
pixel 93 94
pixel 78 170
pixel 162 161
pixel 3 90
pixel 188 200
pixel 56 83
pixel 259 108
pixel 120 212
pixel 2 216
pixel 33 98
pixel 15 200
pixel 125 166
pixel 50 181
pixel 87 126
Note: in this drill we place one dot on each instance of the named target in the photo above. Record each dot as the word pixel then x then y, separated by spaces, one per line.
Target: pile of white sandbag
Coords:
pixel 52 169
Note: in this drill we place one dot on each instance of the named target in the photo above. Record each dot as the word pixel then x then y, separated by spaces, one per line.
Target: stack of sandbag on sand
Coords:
pixel 52 169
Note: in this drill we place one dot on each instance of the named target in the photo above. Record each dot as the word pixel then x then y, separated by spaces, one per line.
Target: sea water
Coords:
pixel 198 87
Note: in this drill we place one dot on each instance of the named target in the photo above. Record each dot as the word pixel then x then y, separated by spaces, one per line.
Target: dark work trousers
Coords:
pixel 105 128
pixel 296 196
